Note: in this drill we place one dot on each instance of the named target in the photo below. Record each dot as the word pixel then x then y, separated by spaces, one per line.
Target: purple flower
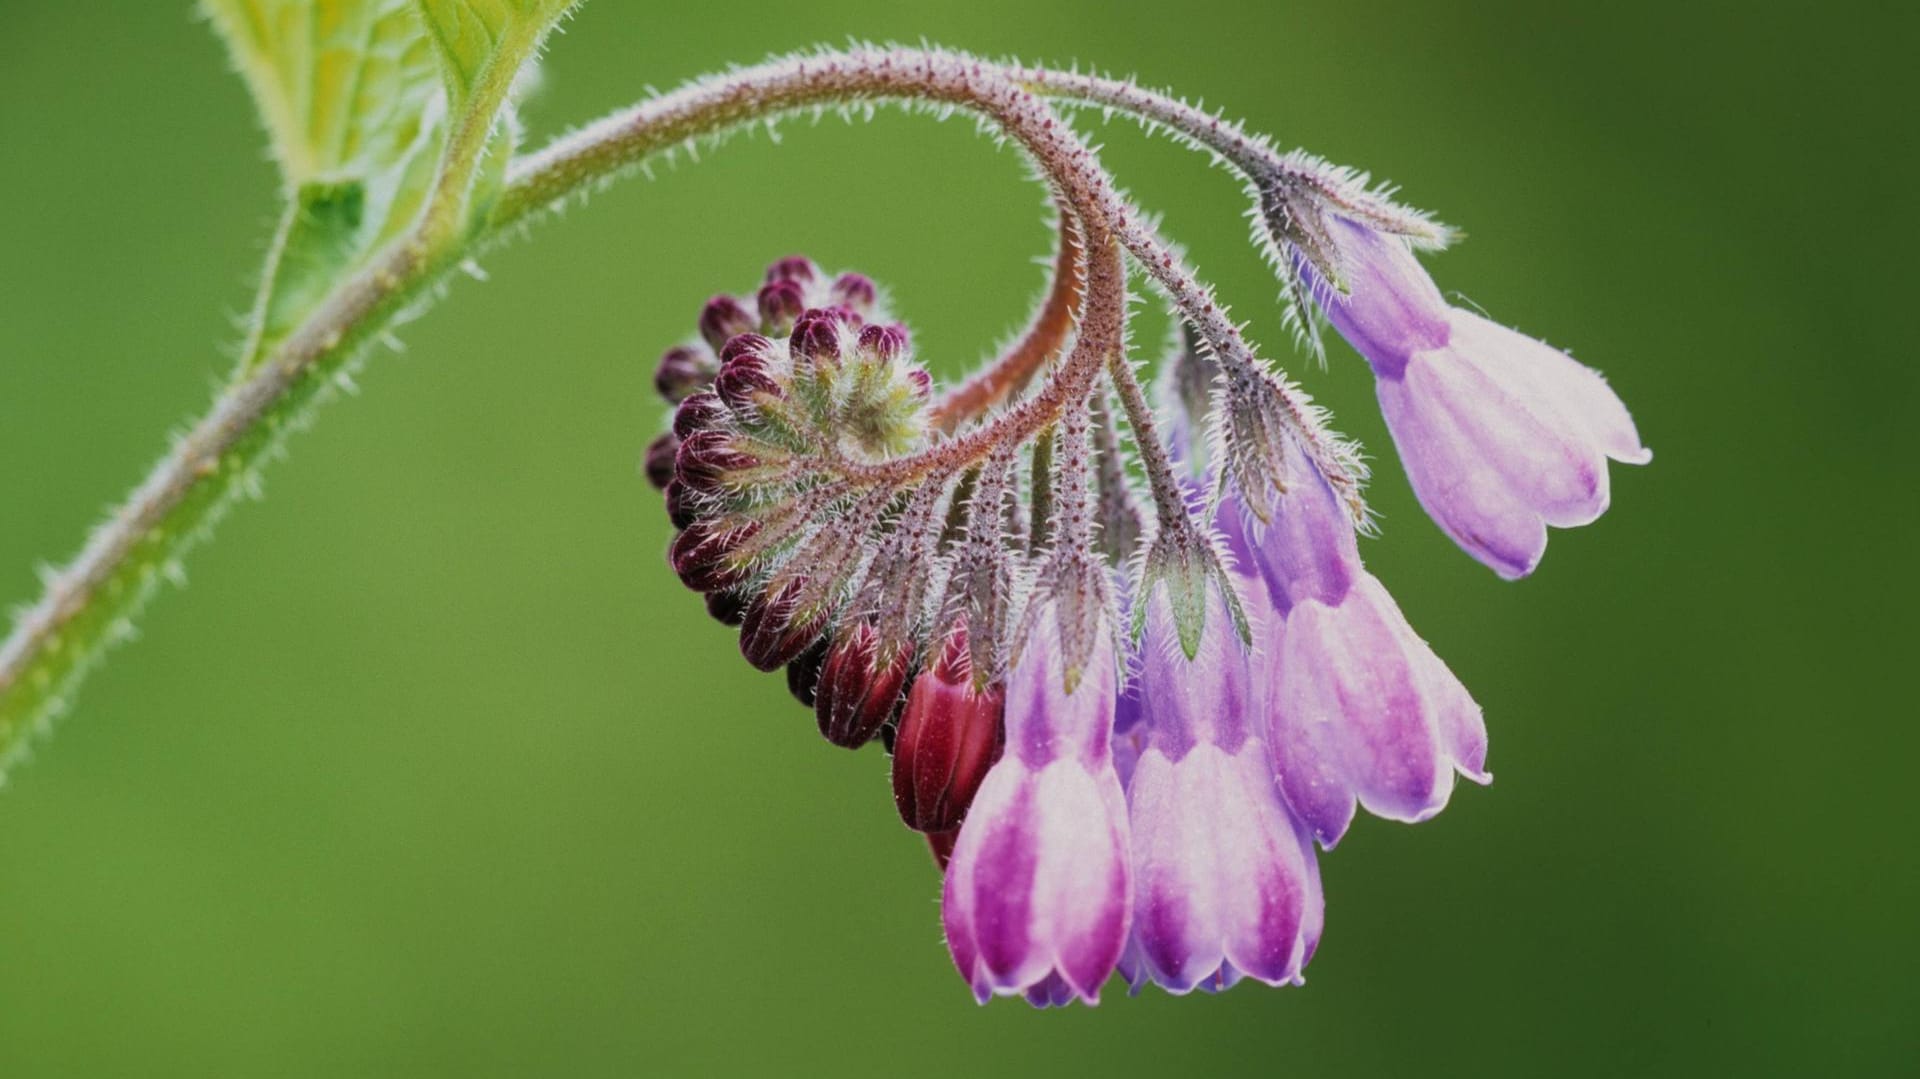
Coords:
pixel 1359 710
pixel 1225 880
pixel 1500 434
pixel 1038 891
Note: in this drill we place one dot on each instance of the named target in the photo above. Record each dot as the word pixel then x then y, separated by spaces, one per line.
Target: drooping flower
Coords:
pixel 1500 434
pixel 1039 888
pixel 1225 880
pixel 1359 709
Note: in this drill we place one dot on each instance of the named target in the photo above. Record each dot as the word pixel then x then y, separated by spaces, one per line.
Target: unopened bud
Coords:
pixel 798 268
pixel 859 688
pixel 816 338
pixel 707 458
pixel 726 607
pixel 781 302
pixel 921 382
pixel 722 318
pixel 659 461
pixel 775 630
pixel 884 343
pixel 681 505
pixel 949 737
pixel 854 290
pixel 701 556
pixel 682 371
pixel 803 674
pixel 742 381
pixel 941 845
pixel 700 412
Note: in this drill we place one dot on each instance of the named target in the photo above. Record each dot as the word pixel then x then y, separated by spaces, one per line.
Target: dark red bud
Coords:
pixel 707 457
pixel 743 379
pixel 884 343
pixel 726 607
pixel 746 344
pixel 722 318
pixel 683 371
pixel 854 290
pixel 698 413
pixel 774 631
pixel 922 382
pixel 700 555
pixel 857 693
pixel 949 737
pixel 803 674
pixel 780 304
pixel 816 338
pixel 798 268
pixel 682 506
pixel 659 462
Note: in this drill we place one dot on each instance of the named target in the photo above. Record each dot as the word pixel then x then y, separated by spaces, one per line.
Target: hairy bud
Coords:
pixel 796 268
pixel 660 460
pixel 779 625
pixel 860 686
pixel 723 317
pixel 854 290
pixel 950 734
pixel 803 674
pixel 885 343
pixel 780 302
pixel 699 412
pixel 683 370
pixel 816 338
pixel 703 555
pixel 707 459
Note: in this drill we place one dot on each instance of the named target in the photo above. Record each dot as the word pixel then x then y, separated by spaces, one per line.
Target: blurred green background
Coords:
pixel 435 769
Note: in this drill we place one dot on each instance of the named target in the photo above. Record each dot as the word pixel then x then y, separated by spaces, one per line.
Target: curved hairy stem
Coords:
pixel 1045 336
pixel 88 605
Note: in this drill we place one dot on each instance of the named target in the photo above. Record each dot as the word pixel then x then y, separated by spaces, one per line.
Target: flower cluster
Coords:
pixel 1127 737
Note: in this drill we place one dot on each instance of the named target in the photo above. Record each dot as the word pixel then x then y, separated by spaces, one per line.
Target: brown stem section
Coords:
pixel 1046 335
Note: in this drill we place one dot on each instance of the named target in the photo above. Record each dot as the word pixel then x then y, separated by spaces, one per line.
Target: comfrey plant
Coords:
pixel 1128 663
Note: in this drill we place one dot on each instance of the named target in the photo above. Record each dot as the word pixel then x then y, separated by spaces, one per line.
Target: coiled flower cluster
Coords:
pixel 1131 669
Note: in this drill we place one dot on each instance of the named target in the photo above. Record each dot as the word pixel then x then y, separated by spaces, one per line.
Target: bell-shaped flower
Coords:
pixel 1038 890
pixel 1500 434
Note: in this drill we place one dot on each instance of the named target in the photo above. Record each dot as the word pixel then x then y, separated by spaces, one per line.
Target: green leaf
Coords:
pixel 483 43
pixel 343 86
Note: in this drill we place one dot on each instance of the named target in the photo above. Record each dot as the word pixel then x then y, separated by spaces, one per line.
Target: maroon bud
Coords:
pixel 774 631
pixel 803 674
pixel 746 344
pixel 722 318
pixel 884 343
pixel 701 556
pixel 949 736
pixel 726 607
pixel 698 413
pixel 683 371
pixel 855 290
pixel 707 457
pixel 659 463
pixel 922 382
pixel 797 268
pixel 857 694
pixel 681 505
pixel 780 304
pixel 941 844
pixel 742 380
pixel 816 338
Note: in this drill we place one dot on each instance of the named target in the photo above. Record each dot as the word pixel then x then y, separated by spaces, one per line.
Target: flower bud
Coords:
pixel 707 457
pixel 781 302
pixel 722 318
pixel 949 736
pixel 854 290
pixel 726 607
pixel 921 381
pixel 816 338
pixel 681 505
pixel 775 630
pixel 858 692
pixel 699 412
pixel 941 845
pixel 798 268
pixel 659 461
pixel 803 674
pixel 700 555
pixel 884 343
pixel 742 380
pixel 746 344
pixel 683 370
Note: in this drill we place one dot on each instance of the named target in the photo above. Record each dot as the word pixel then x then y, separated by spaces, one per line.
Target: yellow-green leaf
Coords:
pixel 344 87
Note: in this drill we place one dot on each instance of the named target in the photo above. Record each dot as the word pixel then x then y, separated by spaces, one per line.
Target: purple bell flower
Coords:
pixel 1039 890
pixel 1359 709
pixel 1501 435
pixel 1225 880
